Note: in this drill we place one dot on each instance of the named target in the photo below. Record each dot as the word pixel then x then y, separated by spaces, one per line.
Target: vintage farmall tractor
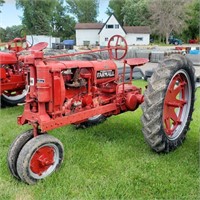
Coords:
pixel 13 87
pixel 78 92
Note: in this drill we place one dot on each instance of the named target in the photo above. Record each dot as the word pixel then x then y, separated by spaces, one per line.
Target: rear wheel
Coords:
pixel 39 157
pixel 168 104
pixel 97 119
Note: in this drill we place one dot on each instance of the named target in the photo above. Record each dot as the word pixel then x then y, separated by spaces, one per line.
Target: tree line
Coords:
pixel 58 17
pixel 165 17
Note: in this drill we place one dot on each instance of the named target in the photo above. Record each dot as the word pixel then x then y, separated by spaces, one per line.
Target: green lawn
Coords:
pixel 108 161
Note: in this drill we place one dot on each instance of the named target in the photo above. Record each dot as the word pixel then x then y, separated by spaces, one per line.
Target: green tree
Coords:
pixel 1 3
pixel 136 12
pixel 2 35
pixel 192 19
pixel 37 15
pixel 62 24
pixel 167 17
pixel 84 10
pixel 116 6
pixel 10 33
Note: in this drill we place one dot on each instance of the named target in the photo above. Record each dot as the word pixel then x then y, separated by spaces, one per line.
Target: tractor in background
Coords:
pixel 13 85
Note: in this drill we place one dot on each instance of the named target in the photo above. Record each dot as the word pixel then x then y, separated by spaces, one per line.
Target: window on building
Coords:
pixel 86 43
pixel 116 26
pixel 106 39
pixel 139 39
pixel 109 26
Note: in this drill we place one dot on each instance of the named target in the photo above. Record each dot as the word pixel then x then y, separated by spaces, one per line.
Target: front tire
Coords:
pixel 15 149
pixel 168 104
pixel 39 157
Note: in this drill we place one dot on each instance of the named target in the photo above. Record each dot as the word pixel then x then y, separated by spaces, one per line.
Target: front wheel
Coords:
pixel 168 104
pixel 39 157
pixel 12 98
pixel 15 149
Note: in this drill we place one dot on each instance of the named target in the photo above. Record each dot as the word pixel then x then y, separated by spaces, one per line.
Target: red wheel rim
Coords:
pixel 41 160
pixel 118 40
pixel 177 104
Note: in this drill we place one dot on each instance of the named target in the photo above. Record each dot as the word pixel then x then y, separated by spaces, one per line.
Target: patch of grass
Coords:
pixel 108 161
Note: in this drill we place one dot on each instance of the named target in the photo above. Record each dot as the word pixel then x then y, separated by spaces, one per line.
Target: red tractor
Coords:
pixel 13 87
pixel 81 92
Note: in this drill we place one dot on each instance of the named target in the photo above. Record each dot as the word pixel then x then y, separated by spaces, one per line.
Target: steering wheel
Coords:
pixel 117 47
pixel 18 44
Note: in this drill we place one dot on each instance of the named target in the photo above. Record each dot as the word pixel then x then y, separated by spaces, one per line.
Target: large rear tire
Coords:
pixel 168 104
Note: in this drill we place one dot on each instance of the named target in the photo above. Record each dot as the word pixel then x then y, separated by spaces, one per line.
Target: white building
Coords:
pixel 34 39
pixel 98 33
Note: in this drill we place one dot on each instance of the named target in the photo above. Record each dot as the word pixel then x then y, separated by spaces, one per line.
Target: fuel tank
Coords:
pixel 104 71
pixel 7 58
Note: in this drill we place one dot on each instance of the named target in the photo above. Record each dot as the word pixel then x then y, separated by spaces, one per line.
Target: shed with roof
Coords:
pixel 100 33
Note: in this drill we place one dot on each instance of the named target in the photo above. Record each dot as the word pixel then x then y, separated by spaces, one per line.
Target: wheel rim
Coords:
pixel 177 104
pixel 12 96
pixel 44 161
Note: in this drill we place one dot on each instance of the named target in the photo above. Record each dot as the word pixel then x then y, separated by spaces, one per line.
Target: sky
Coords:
pixel 10 16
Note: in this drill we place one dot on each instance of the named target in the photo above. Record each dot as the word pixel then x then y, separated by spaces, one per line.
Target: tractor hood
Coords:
pixel 7 58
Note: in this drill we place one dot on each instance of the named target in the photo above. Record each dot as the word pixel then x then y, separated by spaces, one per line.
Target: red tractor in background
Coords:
pixel 13 87
pixel 76 92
